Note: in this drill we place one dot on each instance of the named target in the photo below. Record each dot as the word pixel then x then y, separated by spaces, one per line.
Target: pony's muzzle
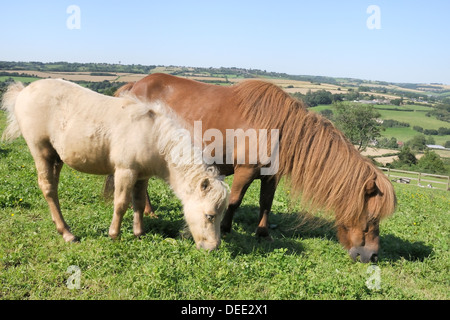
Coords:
pixel 366 255
pixel 208 245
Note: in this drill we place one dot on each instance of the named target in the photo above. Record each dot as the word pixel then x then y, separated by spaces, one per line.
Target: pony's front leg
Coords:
pixel 124 181
pixel 268 186
pixel 243 177
pixel 139 205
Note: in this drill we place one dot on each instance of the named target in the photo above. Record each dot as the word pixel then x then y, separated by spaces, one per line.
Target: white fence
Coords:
pixel 423 179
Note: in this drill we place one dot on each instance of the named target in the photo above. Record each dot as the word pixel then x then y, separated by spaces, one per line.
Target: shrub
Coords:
pixel 418 129
pixel 394 124
pixel 430 132
pixel 418 142
pixel 443 131
pixel 431 163
pixel 406 157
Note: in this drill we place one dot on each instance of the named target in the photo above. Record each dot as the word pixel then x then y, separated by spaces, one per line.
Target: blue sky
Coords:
pixel 328 38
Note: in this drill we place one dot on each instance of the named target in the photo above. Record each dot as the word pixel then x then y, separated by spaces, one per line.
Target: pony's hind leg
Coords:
pixel 139 204
pixel 148 211
pixel 124 181
pixel 49 165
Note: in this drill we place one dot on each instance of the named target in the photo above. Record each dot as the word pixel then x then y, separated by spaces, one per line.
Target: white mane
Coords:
pixel 175 144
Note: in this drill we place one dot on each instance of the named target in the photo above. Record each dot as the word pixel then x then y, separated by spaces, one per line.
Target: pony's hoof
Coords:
pixel 114 237
pixel 266 238
pixel 70 238
pixel 75 240
pixel 139 235
pixel 263 233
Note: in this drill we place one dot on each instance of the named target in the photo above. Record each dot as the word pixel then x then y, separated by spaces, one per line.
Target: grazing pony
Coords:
pixel 323 167
pixel 92 133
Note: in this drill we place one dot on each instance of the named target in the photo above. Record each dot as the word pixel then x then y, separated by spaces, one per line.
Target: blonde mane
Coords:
pixel 322 165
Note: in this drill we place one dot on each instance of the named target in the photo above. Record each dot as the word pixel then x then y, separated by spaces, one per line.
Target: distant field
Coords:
pixel 21 79
pixel 415 117
pixel 290 86
pixel 76 76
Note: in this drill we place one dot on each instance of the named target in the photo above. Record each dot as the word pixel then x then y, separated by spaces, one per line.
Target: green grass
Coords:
pixel 19 79
pixel 414 118
pixel 301 263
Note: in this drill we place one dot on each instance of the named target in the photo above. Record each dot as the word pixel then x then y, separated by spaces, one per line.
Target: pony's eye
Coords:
pixel 209 217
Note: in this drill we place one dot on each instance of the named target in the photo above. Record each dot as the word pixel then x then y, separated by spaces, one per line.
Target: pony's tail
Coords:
pixel 124 89
pixel 12 131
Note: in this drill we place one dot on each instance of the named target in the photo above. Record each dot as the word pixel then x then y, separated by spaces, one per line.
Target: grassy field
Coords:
pixel 19 79
pixel 436 181
pixel 305 261
pixel 415 116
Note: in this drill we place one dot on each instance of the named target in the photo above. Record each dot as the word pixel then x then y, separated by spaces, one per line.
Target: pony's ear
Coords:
pixel 370 186
pixel 204 185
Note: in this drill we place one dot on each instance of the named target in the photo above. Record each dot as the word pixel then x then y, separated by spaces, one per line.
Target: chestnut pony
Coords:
pixel 322 166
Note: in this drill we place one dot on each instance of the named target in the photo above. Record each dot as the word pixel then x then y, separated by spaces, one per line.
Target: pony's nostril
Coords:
pixel 374 258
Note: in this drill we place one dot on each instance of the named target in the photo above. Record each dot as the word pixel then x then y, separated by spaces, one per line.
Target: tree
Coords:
pixel 431 162
pixel 443 131
pixel 358 122
pixel 323 97
pixel 430 140
pixel 327 113
pixel 396 102
pixel 393 143
pixel 418 142
pixel 406 157
pixel 431 132
pixel 418 129
pixel 387 143
pixel 313 99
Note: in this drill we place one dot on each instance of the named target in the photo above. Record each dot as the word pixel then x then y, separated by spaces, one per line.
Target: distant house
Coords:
pixel 436 146
pixel 374 101
pixel 366 101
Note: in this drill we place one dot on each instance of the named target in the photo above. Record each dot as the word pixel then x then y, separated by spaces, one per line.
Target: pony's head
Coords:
pixel 202 191
pixel 360 236
pixel 203 211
